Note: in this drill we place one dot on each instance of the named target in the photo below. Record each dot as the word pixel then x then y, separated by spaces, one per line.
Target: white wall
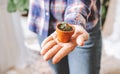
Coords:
pixel 12 49
pixel 112 42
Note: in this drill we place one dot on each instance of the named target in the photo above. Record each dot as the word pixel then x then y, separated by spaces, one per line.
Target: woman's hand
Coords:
pixel 55 50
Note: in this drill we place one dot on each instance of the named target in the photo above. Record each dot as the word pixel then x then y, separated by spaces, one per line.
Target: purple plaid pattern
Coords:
pixel 76 12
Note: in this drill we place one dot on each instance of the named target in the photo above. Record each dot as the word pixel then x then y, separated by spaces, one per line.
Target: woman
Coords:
pixel 82 54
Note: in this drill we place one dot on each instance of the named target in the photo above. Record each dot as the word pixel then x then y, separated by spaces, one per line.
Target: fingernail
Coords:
pixel 82 43
pixel 55 61
pixel 45 58
pixel 41 52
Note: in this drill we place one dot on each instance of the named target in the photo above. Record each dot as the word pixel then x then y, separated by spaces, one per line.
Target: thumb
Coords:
pixel 82 38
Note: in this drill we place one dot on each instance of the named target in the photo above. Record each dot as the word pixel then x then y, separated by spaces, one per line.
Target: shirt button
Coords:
pixel 47 13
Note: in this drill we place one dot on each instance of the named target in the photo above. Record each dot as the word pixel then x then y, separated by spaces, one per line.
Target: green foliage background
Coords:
pixel 105 5
pixel 17 5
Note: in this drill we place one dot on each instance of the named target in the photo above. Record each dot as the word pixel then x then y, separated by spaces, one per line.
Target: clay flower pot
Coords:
pixel 64 31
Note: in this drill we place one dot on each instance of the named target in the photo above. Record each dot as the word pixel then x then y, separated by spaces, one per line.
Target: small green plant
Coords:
pixel 65 27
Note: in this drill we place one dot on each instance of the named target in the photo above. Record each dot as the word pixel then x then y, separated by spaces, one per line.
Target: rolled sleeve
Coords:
pixel 78 11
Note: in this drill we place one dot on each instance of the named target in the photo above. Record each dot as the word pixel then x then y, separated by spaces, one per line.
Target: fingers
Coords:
pixel 62 53
pixel 47 46
pixel 51 37
pixel 51 47
pixel 52 52
pixel 46 41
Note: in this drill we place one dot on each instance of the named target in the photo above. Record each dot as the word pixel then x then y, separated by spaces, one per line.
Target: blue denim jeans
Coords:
pixel 83 59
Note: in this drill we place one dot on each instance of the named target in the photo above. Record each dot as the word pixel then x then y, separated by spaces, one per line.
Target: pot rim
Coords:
pixel 73 28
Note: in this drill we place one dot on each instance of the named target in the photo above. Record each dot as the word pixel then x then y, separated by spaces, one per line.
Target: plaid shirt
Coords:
pixel 76 12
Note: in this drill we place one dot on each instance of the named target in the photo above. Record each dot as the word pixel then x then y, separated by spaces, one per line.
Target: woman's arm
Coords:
pixel 78 11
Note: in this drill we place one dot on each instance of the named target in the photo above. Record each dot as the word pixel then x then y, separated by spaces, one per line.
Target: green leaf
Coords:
pixel 11 7
pixel 22 5
pixel 65 27
pixel 103 12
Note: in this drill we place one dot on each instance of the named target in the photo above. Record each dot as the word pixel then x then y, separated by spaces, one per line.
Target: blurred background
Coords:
pixel 19 48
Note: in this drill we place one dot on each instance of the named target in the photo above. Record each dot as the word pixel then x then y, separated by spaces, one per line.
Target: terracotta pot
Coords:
pixel 64 36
